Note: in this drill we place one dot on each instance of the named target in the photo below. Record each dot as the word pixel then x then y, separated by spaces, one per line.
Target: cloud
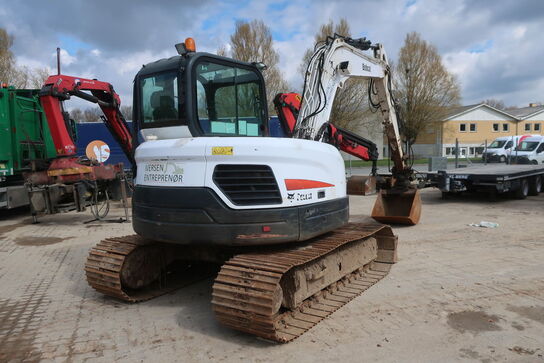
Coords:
pixel 495 51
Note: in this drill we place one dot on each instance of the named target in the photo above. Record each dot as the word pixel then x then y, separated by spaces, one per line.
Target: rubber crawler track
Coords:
pixel 243 292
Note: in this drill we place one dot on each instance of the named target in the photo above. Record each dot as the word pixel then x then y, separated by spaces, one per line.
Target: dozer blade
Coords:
pixel 394 207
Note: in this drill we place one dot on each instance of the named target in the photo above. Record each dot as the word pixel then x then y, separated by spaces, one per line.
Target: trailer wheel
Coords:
pixel 523 190
pixel 535 185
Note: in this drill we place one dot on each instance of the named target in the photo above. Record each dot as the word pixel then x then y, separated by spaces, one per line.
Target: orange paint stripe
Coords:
pixel 295 184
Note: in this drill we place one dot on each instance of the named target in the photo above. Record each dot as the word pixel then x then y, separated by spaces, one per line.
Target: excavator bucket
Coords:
pixel 361 185
pixel 394 207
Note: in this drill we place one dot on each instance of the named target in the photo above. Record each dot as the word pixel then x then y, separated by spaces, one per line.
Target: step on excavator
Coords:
pixel 211 185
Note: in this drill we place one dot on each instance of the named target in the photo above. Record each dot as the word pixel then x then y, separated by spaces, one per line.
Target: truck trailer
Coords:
pixel 25 142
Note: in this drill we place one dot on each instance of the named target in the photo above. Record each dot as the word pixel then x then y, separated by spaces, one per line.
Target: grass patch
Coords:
pixel 420 161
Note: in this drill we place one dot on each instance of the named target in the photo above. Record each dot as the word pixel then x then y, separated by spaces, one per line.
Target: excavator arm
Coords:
pixel 332 64
pixel 59 88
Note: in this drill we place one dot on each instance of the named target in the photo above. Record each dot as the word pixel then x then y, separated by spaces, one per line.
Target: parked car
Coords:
pixel 529 151
pixel 501 148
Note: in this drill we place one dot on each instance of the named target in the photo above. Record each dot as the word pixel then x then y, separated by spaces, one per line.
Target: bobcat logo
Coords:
pixel 290 196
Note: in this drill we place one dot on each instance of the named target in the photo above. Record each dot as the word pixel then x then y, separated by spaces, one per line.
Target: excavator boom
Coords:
pixel 332 64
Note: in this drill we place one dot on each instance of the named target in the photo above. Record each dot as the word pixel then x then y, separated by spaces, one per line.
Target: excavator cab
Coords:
pixel 199 94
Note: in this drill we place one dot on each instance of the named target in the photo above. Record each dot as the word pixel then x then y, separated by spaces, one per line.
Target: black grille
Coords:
pixel 247 184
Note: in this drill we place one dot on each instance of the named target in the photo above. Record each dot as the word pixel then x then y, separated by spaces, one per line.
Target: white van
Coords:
pixel 502 147
pixel 529 151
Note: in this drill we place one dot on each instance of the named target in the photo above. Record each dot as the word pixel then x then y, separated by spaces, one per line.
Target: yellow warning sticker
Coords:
pixel 222 150
pixel 2 166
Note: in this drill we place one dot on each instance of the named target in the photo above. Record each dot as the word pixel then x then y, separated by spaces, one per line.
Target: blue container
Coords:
pixel 274 127
pixel 97 131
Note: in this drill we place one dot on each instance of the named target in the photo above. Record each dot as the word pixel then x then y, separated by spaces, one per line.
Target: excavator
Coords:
pixel 211 185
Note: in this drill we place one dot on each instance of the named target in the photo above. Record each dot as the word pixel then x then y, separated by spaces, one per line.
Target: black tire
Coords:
pixel 534 162
pixel 502 159
pixel 523 191
pixel 535 185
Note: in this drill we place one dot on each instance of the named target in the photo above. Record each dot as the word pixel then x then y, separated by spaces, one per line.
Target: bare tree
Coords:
pixel 38 77
pixel 126 111
pixel 350 108
pixel 222 51
pixel 92 115
pixel 498 104
pixel 7 60
pixel 424 86
pixel 252 42
pixel 10 73
pixel 76 114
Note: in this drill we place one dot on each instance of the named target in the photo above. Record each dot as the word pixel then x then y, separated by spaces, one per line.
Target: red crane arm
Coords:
pixel 288 106
pixel 59 88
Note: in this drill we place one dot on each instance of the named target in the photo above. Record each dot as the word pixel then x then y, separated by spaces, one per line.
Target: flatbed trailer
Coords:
pixel 520 180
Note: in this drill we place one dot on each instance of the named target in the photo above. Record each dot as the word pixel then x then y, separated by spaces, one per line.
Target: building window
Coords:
pixel 495 127
pixel 450 151
pixel 463 127
pixel 479 150
pixel 505 127
pixel 527 127
pixel 536 127
pixel 472 127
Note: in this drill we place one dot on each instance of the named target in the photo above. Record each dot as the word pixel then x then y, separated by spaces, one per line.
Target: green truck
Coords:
pixel 25 142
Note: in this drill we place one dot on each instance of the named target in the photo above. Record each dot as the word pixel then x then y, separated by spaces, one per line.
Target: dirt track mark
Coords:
pixel 9 228
pixel 473 321
pixel 535 313
pixel 38 241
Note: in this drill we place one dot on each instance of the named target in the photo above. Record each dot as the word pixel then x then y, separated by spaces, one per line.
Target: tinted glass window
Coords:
pixel 528 145
pixel 160 101
pixel 497 144
pixel 229 100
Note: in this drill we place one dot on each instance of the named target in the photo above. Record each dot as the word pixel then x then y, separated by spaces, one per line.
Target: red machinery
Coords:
pixel 69 174
pixel 288 106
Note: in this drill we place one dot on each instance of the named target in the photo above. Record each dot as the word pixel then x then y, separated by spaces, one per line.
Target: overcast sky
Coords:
pixel 494 47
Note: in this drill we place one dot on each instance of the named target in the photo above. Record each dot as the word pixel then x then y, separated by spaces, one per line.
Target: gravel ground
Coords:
pixel 458 293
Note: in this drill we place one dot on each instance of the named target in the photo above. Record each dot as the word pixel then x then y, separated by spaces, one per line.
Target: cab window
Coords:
pixel 160 101
pixel 229 100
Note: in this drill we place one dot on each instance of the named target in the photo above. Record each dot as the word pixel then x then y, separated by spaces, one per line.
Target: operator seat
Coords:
pixel 163 106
